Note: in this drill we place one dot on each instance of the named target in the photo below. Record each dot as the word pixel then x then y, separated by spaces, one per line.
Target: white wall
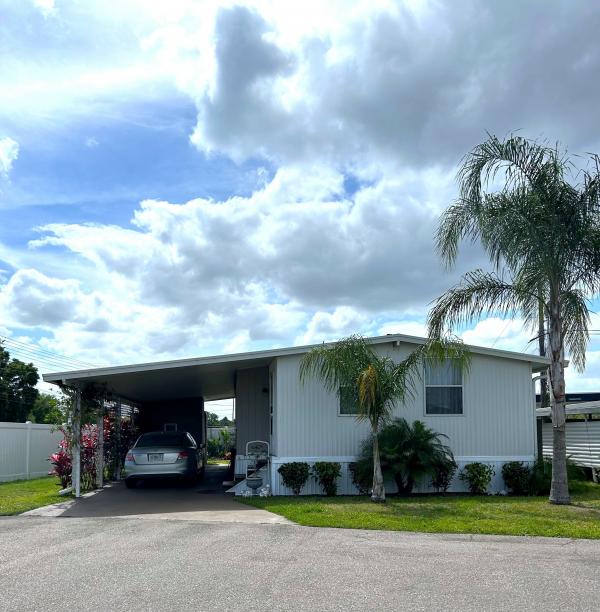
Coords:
pixel 251 407
pixel 24 450
pixel 497 424
pixel 583 442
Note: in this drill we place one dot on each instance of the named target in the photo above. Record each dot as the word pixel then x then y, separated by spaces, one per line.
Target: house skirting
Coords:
pixel 346 487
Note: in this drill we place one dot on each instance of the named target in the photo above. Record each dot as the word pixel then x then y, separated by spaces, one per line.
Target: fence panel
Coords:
pixel 24 450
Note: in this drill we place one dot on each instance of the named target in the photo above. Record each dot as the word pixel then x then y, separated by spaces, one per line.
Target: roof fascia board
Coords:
pixel 267 354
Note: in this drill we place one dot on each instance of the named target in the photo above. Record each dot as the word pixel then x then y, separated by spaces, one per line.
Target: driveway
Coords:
pixel 165 500
pixel 131 564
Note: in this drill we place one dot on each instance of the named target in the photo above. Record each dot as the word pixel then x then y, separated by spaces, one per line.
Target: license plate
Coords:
pixel 155 457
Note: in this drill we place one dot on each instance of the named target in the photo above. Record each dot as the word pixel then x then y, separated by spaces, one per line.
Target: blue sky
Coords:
pixel 198 177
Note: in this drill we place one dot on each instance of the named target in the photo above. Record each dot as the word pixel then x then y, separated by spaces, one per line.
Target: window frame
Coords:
pixel 446 414
pixel 339 407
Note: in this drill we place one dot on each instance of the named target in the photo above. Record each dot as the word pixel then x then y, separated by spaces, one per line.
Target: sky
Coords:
pixel 189 178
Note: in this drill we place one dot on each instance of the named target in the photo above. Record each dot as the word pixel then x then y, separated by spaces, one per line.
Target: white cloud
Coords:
pixel 9 151
pixel 46 7
pixel 299 260
pixel 507 334
pixel 327 326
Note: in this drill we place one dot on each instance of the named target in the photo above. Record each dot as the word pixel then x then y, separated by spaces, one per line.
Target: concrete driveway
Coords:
pixel 125 564
pixel 165 500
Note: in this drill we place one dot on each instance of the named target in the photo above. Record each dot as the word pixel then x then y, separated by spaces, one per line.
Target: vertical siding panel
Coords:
pixel 252 407
pixel 497 421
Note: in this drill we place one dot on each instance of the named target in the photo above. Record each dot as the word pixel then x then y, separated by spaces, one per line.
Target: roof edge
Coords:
pixel 537 362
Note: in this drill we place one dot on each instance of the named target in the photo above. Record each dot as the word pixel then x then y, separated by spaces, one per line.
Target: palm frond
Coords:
pixel 576 321
pixel 478 292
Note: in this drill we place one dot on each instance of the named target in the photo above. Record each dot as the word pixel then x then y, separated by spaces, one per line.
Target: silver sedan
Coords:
pixel 160 454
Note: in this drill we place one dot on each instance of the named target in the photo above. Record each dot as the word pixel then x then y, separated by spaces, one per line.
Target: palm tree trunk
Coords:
pixel 559 489
pixel 378 493
pixel 544 395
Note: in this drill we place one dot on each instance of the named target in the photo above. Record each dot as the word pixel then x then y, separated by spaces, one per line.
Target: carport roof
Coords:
pixel 214 377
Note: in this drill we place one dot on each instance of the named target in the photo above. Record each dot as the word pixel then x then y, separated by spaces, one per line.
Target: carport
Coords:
pixel 174 392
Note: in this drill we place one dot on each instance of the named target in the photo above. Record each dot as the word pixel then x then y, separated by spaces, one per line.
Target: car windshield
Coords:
pixel 163 439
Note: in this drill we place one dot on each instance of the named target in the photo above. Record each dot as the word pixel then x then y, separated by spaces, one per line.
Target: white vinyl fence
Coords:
pixel 24 450
pixel 214 433
pixel 583 442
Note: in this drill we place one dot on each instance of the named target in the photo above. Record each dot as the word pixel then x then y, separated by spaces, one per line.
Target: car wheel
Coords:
pixel 130 483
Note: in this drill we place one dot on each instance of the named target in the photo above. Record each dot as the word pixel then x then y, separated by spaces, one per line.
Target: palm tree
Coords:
pixel 376 382
pixel 408 452
pixel 542 234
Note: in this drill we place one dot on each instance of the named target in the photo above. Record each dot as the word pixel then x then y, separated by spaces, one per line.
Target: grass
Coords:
pixel 524 516
pixel 213 461
pixel 22 495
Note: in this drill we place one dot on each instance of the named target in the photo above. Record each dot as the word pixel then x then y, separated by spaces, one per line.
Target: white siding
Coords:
pixel 583 442
pixel 251 407
pixel 273 407
pixel 21 458
pixel 497 424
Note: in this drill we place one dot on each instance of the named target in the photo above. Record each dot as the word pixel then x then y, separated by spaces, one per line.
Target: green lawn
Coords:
pixel 22 495
pixel 532 516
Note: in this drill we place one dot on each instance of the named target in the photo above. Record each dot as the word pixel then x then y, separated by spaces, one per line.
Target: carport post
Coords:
pixel 76 450
pixel 117 474
pixel 100 449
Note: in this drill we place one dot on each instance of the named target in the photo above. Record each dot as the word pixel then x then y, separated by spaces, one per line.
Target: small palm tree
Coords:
pixel 542 234
pixel 408 452
pixel 377 382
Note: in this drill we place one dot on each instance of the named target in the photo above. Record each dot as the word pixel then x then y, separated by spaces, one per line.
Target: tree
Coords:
pixel 18 391
pixel 376 382
pixel 49 409
pixel 408 452
pixel 212 419
pixel 542 234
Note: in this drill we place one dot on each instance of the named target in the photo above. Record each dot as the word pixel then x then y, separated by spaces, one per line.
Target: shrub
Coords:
pixel 61 460
pixel 541 476
pixel 327 473
pixel 362 478
pixel 294 475
pixel 477 476
pixel 517 477
pixel 443 474
pixel 409 453
pixel 213 448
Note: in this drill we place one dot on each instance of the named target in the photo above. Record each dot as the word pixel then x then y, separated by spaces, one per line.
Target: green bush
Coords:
pixel 327 473
pixel 541 476
pixel 214 449
pixel 362 476
pixel 517 477
pixel 443 473
pixel 294 475
pixel 477 476
pixel 409 453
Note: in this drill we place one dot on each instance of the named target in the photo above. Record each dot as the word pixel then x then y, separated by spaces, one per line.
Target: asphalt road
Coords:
pixel 152 564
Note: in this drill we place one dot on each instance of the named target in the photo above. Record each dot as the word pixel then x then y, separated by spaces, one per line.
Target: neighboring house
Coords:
pixel 487 414
pixel 583 429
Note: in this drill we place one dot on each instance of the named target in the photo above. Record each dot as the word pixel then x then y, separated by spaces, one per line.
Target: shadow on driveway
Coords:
pixel 205 501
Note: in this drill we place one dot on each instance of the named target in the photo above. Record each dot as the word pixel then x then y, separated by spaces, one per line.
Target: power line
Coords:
pixel 44 351
pixel 46 361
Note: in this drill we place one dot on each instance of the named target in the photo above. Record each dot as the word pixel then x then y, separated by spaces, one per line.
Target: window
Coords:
pixel 443 388
pixel 162 439
pixel 348 401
